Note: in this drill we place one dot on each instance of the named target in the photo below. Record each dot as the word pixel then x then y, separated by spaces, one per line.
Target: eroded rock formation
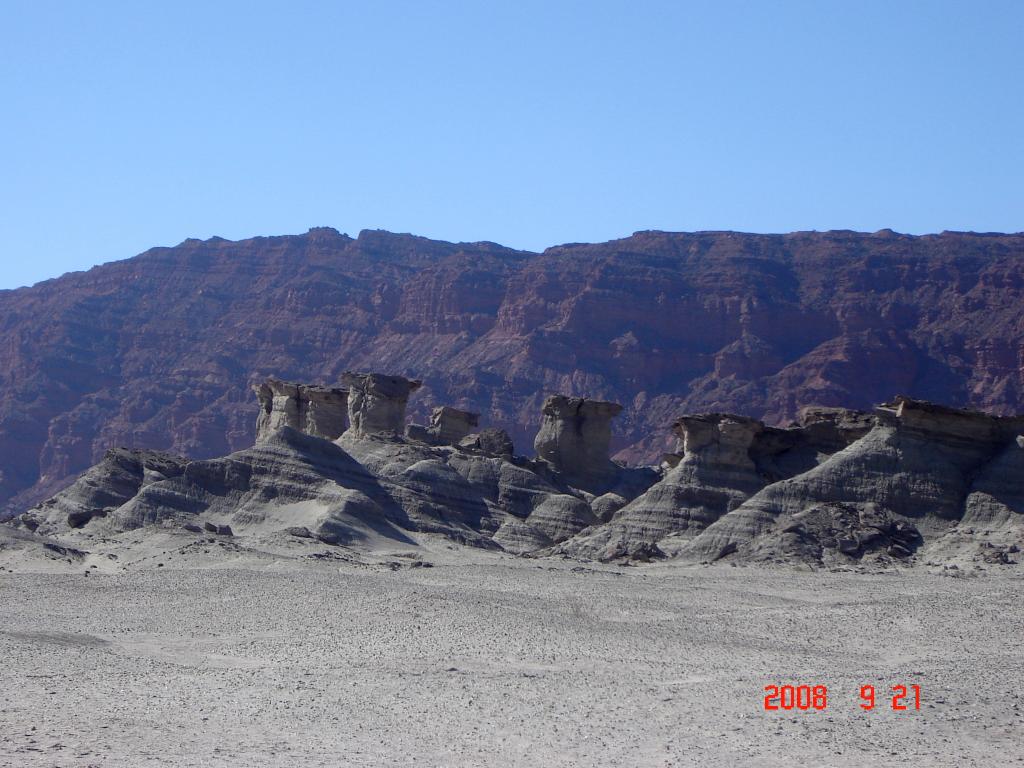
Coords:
pixel 665 323
pixel 914 470
pixel 115 481
pixel 575 436
pixel 912 483
pixel 492 441
pixel 317 411
pixel 448 426
pixel 722 461
pixel 714 474
pixel 377 402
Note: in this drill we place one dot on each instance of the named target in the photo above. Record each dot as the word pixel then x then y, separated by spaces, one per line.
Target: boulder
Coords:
pixel 81 517
pixel 606 505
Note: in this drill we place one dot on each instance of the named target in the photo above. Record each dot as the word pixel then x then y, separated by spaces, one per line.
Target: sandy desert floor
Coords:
pixel 485 659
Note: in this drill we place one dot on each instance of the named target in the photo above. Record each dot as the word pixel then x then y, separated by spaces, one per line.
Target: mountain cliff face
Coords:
pixel 160 351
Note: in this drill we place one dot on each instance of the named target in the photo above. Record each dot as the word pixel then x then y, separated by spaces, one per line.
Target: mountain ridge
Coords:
pixel 158 351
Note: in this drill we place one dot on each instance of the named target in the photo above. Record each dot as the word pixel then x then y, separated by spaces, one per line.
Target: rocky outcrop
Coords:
pixel 317 411
pixel 360 489
pixel 368 484
pixel 103 489
pixel 22 544
pixel 448 426
pixel 836 533
pixel 721 461
pixel 715 473
pixel 914 470
pixel 574 439
pixel 665 323
pixel 491 441
pixel 377 402
pixel 912 483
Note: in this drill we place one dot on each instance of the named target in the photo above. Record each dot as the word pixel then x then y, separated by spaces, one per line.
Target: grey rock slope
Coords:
pixel 911 483
pixel 369 484
pixel 723 461
pixel 906 485
pixel 103 489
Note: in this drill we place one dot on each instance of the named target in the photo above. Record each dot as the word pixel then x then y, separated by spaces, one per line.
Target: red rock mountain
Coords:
pixel 159 350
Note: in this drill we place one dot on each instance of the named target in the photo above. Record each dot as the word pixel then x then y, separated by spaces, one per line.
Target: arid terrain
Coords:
pixel 159 351
pixel 357 569
pixel 236 658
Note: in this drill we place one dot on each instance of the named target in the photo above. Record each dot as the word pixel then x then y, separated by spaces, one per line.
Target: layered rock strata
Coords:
pixel 317 411
pixel 665 323
pixel 574 439
pixel 369 484
pixel 377 402
pixel 448 426
pixel 119 477
pixel 721 461
pixel 912 475
pixel 911 483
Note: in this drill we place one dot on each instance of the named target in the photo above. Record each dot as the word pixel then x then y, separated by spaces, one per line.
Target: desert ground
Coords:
pixel 207 654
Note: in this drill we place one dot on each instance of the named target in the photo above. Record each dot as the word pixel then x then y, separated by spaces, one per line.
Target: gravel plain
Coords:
pixel 229 658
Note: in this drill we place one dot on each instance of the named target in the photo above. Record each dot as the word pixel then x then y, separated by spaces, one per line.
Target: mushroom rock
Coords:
pixel 279 407
pixel 314 410
pixel 376 402
pixel 950 425
pixel 714 474
pixel 911 483
pixel 574 438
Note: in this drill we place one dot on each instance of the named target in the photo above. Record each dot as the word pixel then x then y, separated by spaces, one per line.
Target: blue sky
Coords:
pixel 127 125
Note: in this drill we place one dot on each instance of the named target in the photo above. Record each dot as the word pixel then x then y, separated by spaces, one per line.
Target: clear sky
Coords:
pixel 126 125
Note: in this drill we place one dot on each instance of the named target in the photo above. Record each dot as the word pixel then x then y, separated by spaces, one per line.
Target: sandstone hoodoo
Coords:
pixel 912 483
pixel 377 403
pixel 317 411
pixel 574 439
